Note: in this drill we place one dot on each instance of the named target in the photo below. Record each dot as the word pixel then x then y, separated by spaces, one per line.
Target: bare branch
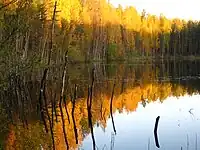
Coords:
pixel 6 5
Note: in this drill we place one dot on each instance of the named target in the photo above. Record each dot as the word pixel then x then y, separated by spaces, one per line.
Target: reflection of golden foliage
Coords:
pixel 11 138
pixel 79 113
pixel 27 138
pixel 19 138
pixel 101 109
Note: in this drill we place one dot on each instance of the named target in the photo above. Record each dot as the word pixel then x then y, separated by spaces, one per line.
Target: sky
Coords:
pixel 184 9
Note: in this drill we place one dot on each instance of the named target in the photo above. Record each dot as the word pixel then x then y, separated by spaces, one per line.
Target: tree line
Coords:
pixel 89 30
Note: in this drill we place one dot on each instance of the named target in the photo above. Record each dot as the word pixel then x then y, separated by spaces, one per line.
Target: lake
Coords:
pixel 104 106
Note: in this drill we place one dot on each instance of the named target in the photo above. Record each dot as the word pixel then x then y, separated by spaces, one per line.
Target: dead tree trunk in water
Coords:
pixel 111 109
pixel 67 37
pixel 89 106
pixel 43 81
pixel 73 118
pixel 40 99
pixel 49 118
pixel 155 132
pixel 61 99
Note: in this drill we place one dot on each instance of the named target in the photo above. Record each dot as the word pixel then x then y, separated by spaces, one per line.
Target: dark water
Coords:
pixel 141 93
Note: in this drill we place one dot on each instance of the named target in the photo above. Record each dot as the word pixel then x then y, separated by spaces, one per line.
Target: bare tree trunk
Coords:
pixel 89 106
pixel 73 118
pixel 51 33
pixel 27 36
pixel 113 123
pixel 17 43
pixel 155 132
pixel 48 117
pixel 124 41
pixel 7 4
pixel 44 42
pixel 61 100
pixel 43 84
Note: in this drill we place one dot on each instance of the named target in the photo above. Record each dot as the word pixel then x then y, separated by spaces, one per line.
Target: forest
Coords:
pixel 36 31
pixel 54 57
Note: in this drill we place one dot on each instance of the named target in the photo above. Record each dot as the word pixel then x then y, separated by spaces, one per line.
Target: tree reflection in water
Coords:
pixel 91 104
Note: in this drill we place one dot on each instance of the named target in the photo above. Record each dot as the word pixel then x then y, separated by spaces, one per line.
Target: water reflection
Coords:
pixel 177 128
pixel 87 107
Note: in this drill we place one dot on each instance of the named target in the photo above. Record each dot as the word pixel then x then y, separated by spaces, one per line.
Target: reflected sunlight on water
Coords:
pixel 179 118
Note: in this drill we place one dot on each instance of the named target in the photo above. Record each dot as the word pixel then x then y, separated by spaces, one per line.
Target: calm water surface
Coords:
pixel 178 128
pixel 142 92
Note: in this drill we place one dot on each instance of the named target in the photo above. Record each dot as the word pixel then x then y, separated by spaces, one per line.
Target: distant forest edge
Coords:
pixel 42 31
